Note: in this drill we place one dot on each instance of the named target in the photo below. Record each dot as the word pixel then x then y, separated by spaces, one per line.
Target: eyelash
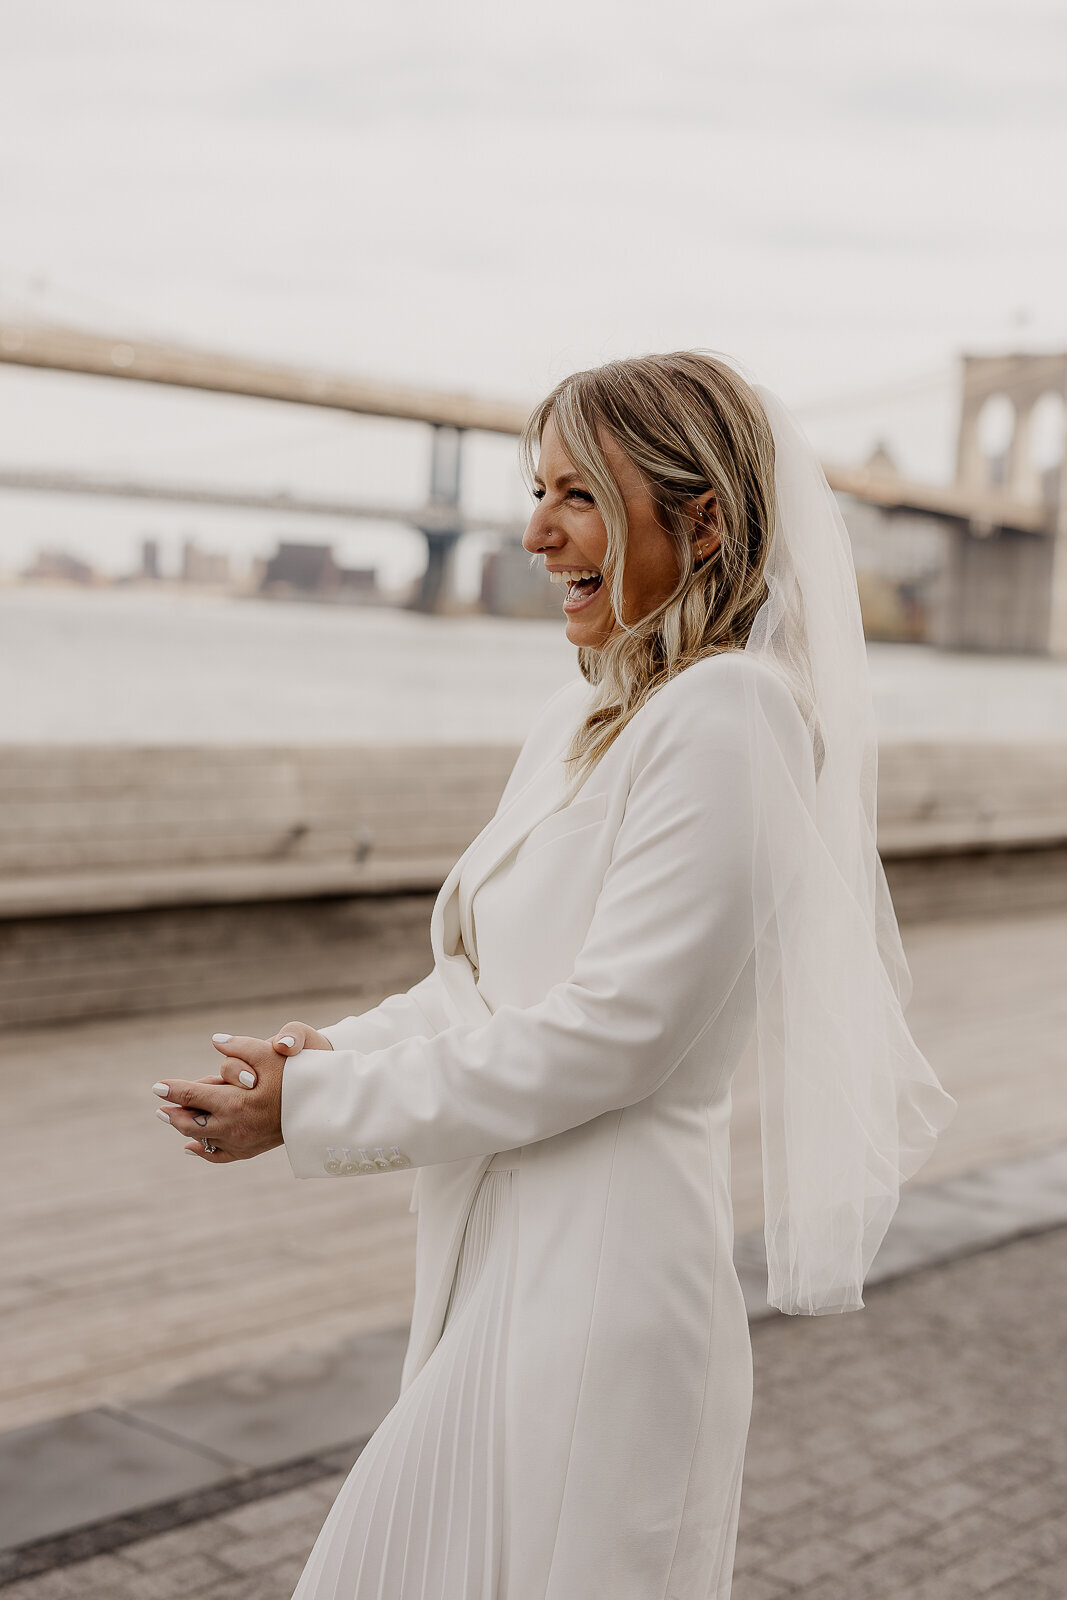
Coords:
pixel 578 494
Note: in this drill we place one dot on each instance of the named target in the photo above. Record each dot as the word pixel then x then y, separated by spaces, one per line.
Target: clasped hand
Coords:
pixel 238 1113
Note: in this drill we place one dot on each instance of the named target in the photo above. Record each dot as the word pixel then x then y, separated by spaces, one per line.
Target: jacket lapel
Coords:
pixel 545 793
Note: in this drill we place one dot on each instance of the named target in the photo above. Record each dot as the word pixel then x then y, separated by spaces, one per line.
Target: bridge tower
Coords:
pixel 441 524
pixel 1010 587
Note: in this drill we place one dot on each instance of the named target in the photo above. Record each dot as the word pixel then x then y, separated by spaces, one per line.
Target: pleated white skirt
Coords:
pixel 420 1516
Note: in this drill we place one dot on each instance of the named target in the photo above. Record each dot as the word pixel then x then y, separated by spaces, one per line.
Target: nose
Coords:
pixel 540 534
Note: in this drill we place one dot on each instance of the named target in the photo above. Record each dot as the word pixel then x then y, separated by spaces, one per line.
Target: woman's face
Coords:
pixel 568 530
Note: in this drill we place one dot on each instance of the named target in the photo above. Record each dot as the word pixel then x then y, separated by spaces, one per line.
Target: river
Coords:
pixel 137 666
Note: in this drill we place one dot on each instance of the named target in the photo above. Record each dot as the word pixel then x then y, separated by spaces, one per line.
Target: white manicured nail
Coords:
pixel 221 1038
pixel 162 1089
pixel 288 1039
pixel 163 1117
pixel 247 1078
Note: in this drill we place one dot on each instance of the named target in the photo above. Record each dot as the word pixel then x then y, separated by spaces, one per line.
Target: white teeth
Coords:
pixel 572 576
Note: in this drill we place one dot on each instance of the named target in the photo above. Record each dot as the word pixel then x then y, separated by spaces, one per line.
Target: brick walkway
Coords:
pixel 914 1451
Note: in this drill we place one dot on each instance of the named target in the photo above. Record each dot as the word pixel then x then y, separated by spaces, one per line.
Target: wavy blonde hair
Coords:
pixel 689 423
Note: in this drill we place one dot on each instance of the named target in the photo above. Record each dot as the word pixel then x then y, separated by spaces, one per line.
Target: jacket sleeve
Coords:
pixel 414 1015
pixel 670 935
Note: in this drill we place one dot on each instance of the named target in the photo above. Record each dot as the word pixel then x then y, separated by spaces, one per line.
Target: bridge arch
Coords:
pixel 1025 382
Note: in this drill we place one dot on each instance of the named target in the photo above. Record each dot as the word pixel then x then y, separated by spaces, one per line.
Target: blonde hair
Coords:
pixel 690 424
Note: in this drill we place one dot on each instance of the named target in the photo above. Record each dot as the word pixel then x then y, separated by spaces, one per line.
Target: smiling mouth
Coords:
pixel 581 584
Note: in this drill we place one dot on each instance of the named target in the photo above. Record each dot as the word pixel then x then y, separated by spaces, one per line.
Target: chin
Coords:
pixel 588 633
pixel 585 637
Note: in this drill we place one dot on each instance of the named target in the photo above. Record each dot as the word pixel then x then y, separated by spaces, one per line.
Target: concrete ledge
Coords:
pixel 94 1481
pixel 261 882
pixel 164 958
pixel 224 883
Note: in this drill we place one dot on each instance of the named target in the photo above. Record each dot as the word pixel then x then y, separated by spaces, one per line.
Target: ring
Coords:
pixel 209 1148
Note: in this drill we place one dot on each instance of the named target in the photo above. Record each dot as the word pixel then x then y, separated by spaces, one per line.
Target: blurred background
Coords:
pixel 278 286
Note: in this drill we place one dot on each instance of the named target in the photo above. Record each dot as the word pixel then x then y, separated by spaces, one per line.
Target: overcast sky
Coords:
pixel 841 195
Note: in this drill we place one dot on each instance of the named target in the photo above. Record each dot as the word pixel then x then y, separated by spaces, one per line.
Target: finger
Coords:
pixel 290 1039
pixel 216 1158
pixel 194 1124
pixel 252 1052
pixel 236 1073
pixel 215 1098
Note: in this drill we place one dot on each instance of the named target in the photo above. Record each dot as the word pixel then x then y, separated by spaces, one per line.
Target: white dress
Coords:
pixel 577 1391
pixel 421 1514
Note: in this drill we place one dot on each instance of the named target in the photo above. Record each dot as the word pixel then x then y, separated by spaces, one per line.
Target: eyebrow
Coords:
pixel 564 478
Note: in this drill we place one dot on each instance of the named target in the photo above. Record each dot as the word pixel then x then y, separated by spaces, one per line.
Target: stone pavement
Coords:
pixel 913 1451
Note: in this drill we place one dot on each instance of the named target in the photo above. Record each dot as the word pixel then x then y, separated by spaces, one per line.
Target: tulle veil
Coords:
pixel 850 1107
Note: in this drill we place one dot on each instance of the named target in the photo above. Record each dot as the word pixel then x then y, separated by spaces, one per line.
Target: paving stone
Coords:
pixel 748 1586
pixel 968 1531
pixel 845 1469
pixel 277 1585
pixel 1034 1500
pixel 876 1531
pixel 942 1500
pixel 888 1573
pixel 1049 1538
pixel 1043 1583
pixel 940 1585
pixel 264 1516
pixel 815 1558
pixel 206 1537
pixel 103 1575
pixel 775 1496
pixel 1007 1472
pixel 269 1548
pixel 193 1574
pixel 753 1551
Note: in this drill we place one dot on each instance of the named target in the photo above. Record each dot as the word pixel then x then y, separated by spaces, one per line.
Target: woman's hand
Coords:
pixel 237 1113
pixel 292 1038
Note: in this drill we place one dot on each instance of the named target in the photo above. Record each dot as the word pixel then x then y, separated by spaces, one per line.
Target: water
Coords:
pixel 132 666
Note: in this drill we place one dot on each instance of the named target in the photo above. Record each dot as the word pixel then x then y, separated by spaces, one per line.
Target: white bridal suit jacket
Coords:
pixel 592 993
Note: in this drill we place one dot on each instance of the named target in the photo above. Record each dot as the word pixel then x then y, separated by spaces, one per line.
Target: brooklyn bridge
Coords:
pixel 1004 518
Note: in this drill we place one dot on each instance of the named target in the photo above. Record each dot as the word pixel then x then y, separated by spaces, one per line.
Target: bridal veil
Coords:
pixel 850 1107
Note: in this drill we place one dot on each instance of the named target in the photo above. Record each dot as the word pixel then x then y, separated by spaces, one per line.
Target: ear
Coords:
pixel 706 535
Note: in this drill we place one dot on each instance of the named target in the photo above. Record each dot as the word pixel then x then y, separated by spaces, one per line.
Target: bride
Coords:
pixel 684 857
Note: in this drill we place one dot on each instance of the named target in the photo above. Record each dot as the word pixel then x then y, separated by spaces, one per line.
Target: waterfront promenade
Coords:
pixel 190 1356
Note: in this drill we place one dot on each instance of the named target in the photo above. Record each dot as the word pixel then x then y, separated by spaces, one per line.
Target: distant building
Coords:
pixel 150 558
pixel 310 570
pixel 515 586
pixel 359 583
pixel 57 566
pixel 203 566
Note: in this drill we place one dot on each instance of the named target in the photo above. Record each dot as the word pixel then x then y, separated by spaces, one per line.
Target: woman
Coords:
pixel 684 855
